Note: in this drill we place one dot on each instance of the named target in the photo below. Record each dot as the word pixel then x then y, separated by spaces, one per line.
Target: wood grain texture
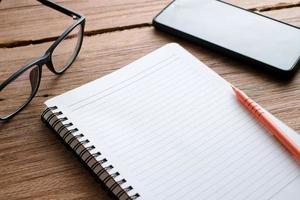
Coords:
pixel 261 5
pixel 29 20
pixel 39 21
pixel 33 163
pixel 21 3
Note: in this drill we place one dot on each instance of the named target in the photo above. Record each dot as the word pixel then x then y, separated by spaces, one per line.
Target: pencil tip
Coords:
pixel 234 89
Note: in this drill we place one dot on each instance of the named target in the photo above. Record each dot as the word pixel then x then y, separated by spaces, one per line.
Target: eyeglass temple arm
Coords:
pixel 60 8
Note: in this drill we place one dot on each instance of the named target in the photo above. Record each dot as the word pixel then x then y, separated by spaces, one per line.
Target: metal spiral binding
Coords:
pixel 88 153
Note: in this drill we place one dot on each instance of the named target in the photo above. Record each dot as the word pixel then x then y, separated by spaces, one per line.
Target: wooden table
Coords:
pixel 33 163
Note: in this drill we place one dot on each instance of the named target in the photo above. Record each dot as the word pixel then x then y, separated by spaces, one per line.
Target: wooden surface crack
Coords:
pixel 278 6
pixel 115 29
pixel 86 33
pixel 20 43
pixel 26 42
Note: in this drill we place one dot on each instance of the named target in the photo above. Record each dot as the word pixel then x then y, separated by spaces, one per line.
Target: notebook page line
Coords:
pixel 173 143
pixel 121 82
pixel 123 113
pixel 116 90
pixel 273 152
pixel 131 116
pixel 153 132
pixel 210 182
pixel 125 98
pixel 150 119
pixel 121 116
pixel 283 187
pixel 278 179
pixel 212 163
pixel 229 182
pixel 236 179
pixel 124 86
pixel 126 134
pixel 221 176
pixel 164 162
pixel 91 116
pixel 207 179
pixel 103 105
pixel 104 119
pixel 166 138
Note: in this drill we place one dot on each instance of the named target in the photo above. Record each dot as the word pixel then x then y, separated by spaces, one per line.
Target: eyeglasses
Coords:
pixel 20 88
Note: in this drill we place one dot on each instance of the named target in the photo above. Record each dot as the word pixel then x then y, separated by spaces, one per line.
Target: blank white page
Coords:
pixel 174 129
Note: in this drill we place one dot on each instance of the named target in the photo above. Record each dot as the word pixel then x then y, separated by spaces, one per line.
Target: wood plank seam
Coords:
pixel 86 33
pixel 278 6
pixel 19 43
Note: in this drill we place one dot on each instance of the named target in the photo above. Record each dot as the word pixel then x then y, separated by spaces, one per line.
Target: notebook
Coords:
pixel 168 127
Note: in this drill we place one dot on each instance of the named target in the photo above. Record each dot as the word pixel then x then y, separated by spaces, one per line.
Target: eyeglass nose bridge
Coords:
pixel 46 60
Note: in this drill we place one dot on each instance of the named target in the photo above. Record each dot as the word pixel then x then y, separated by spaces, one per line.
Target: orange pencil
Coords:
pixel 274 129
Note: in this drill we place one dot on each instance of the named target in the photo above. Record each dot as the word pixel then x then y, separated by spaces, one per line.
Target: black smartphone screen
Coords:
pixel 248 34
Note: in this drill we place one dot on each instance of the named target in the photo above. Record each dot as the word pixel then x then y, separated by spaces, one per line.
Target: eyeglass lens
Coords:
pixel 19 91
pixel 65 52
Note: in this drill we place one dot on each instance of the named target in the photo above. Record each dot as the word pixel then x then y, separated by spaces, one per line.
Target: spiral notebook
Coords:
pixel 168 127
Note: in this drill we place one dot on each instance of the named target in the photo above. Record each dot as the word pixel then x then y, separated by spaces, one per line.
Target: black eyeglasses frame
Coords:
pixel 46 58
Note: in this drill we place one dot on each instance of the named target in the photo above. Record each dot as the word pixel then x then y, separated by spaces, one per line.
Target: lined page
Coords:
pixel 175 130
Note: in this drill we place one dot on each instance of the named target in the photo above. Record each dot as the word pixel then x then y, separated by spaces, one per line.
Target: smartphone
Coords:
pixel 235 31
